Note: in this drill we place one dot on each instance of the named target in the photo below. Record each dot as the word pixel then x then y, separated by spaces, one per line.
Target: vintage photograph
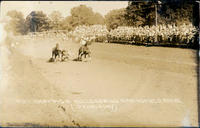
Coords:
pixel 99 63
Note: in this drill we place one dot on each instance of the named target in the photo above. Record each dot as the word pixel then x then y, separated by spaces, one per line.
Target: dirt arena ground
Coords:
pixel 122 85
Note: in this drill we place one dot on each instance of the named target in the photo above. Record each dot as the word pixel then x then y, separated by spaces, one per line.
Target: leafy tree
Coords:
pixel 140 13
pixel 82 15
pixel 99 19
pixel 115 18
pixel 16 23
pixel 37 21
pixel 56 20
pixel 176 11
pixel 66 23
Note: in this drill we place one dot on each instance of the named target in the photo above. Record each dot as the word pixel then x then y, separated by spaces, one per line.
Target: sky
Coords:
pixel 103 7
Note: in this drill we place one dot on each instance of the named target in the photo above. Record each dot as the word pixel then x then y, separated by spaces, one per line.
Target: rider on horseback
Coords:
pixel 56 52
pixel 84 50
pixel 57 47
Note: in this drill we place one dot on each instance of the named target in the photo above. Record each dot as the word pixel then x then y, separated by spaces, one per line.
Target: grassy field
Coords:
pixel 118 74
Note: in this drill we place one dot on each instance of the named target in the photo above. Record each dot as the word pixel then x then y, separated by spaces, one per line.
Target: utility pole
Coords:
pixel 156 18
pixel 0 8
pixel 156 13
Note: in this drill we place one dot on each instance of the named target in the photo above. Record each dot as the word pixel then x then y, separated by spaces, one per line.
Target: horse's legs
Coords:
pixel 52 54
pixel 56 56
pixel 85 55
pixel 80 58
pixel 60 56
pixel 80 55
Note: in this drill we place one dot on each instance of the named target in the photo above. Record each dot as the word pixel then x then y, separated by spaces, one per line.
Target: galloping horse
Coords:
pixel 56 52
pixel 83 50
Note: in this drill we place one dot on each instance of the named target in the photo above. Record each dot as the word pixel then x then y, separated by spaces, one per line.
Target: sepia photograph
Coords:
pixel 99 63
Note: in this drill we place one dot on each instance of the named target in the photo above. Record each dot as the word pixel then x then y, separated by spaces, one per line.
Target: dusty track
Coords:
pixel 115 72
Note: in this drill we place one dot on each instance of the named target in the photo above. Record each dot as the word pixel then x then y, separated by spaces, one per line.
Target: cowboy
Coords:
pixel 83 50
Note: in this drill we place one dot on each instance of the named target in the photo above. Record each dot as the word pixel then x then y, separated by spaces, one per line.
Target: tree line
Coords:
pixel 137 13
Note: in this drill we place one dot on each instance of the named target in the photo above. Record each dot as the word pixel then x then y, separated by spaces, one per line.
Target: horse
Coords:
pixel 56 52
pixel 83 50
